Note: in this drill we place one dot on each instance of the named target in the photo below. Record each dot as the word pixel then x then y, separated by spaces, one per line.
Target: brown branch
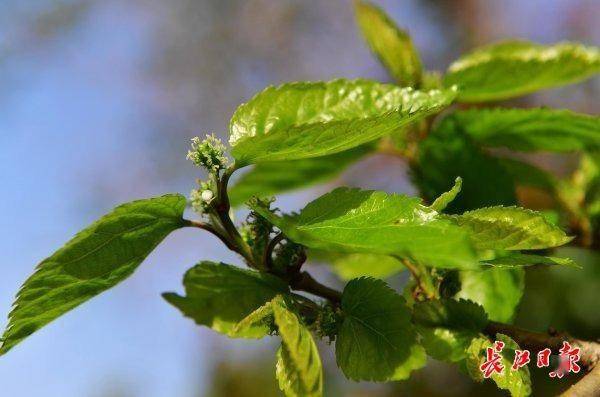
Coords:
pixel 211 229
pixel 588 386
pixel 305 282
pixel 232 245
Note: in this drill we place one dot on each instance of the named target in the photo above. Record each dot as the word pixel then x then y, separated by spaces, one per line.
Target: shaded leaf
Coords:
pixel 359 221
pixel 448 326
pixel 303 120
pixel 390 44
pixel 376 340
pixel 525 174
pixel 512 68
pixel 537 129
pixel 447 153
pixel 349 266
pixel 219 296
pixel 96 259
pixel 267 179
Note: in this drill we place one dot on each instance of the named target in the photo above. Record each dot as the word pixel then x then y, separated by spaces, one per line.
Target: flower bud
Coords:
pixel 207 195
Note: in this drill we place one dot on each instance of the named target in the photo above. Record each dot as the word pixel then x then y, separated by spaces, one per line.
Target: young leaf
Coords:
pixel 521 260
pixel 376 340
pixel 511 228
pixel 446 198
pixel 96 259
pixel 518 383
pixel 538 129
pixel 258 318
pixel 499 291
pixel 219 296
pixel 447 153
pixel 267 179
pixel 448 326
pixel 298 368
pixel 514 68
pixel 390 44
pixel 353 220
pixel 303 120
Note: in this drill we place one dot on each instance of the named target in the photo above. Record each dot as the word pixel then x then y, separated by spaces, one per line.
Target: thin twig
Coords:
pixel 211 229
pixel 268 257
pixel 419 277
pixel 305 282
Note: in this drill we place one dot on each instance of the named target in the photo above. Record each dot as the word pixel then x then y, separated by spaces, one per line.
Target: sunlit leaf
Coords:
pixel 498 290
pixel 511 228
pixel 513 68
pixel 446 198
pixel 96 259
pixel 360 221
pixel 303 120
pixel 298 368
pixel 521 260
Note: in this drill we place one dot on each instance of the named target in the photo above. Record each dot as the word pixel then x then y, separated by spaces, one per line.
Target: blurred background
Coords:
pixel 99 99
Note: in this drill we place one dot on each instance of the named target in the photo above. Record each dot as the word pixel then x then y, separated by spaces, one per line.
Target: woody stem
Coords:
pixel 537 341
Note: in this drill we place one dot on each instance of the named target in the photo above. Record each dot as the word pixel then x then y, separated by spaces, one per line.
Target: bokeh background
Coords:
pixel 99 99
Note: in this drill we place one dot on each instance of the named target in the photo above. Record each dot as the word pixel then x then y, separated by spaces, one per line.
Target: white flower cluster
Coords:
pixel 208 153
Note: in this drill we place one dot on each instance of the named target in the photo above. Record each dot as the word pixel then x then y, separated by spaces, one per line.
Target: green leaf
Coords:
pixel 219 296
pixel 353 220
pixel 258 318
pixel 447 153
pixel 303 120
pixel 498 290
pixel 518 383
pixel 376 340
pixel 514 68
pixel 96 259
pixel 298 369
pixel 511 228
pixel 390 44
pixel 349 266
pixel 521 260
pixel 267 179
pixel 446 198
pixel 537 129
pixel 448 326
